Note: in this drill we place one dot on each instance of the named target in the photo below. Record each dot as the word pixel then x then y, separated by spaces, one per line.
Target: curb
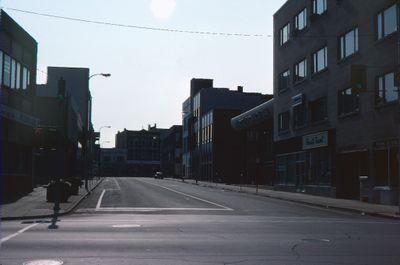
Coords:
pixel 61 213
pixel 324 206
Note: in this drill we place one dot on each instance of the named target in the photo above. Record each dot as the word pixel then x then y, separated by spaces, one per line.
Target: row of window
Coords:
pixel 300 20
pixel 348 45
pixel 386 22
pixel 12 73
pixel 348 102
pixel 319 63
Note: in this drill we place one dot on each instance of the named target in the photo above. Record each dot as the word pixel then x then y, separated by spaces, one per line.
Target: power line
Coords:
pixel 137 26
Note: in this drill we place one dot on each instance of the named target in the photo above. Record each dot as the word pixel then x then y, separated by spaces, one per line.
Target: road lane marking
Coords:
pixel 126 226
pixel 190 196
pixel 117 184
pixel 100 199
pixel 4 239
pixel 145 209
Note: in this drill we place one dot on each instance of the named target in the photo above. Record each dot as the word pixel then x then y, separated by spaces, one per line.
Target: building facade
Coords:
pixel 171 152
pixel 327 134
pixel 112 162
pixel 63 106
pixel 256 137
pixel 143 150
pixel 209 142
pixel 18 63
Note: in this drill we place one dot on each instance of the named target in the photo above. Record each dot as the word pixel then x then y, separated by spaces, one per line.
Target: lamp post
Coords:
pixel 100 142
pixel 87 129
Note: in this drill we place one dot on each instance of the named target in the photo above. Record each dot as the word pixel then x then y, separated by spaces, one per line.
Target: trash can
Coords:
pixel 364 188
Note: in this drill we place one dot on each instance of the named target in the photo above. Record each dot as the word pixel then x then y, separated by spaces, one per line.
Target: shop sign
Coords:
pixel 15 115
pixel 297 100
pixel 315 140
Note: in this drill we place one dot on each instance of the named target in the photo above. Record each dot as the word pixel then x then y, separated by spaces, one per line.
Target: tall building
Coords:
pixel 66 109
pixel 143 153
pixel 171 152
pixel 327 134
pixel 18 61
pixel 210 145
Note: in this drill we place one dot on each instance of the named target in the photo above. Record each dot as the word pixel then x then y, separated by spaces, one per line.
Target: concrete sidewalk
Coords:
pixel 387 211
pixel 34 205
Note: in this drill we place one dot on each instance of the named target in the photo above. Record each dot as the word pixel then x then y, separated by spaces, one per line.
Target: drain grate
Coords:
pixel 44 262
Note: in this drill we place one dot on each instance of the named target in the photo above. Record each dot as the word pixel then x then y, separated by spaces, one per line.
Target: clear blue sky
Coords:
pixel 151 70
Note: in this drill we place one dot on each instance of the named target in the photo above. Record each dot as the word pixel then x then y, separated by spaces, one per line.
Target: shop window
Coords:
pixel 283 121
pixel 386 90
pixel 284 34
pixel 386 167
pixel 300 71
pixel 347 101
pixel 320 60
pixel 284 79
pixel 318 110
pixel 299 116
pixel 319 7
pixel 300 21
pixel 387 22
pixel 348 43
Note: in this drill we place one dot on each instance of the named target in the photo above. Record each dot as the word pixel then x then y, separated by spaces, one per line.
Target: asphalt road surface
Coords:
pixel 163 222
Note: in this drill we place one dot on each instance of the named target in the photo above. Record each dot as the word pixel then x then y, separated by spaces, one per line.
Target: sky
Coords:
pixel 151 70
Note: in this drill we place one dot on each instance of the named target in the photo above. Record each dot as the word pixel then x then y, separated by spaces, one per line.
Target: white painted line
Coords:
pixel 4 239
pixel 193 197
pixel 100 199
pixel 117 184
pixel 126 226
pixel 143 209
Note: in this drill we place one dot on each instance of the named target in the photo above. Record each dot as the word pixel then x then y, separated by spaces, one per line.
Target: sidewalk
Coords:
pixel 387 211
pixel 34 205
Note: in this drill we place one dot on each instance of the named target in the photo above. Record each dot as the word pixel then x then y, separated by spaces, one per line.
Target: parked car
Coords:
pixel 159 175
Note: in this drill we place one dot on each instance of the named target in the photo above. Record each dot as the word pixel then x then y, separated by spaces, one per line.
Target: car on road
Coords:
pixel 159 175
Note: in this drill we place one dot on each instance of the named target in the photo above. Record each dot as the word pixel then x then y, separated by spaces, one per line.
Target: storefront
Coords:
pixel 308 169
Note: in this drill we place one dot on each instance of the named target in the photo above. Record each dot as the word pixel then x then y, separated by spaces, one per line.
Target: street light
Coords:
pixel 85 146
pixel 102 74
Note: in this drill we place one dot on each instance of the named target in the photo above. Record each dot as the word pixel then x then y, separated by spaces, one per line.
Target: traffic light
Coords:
pixel 359 78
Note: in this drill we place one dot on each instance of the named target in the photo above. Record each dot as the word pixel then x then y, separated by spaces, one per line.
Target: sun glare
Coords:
pixel 162 8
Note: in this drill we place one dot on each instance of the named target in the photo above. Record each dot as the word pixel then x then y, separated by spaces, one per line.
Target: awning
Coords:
pixel 254 117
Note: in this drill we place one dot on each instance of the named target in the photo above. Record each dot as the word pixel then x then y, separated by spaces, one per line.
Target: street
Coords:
pixel 153 221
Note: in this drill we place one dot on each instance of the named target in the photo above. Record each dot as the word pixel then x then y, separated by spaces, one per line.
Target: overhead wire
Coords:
pixel 136 26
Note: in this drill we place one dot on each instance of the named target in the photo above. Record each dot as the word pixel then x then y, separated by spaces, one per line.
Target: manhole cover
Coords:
pixel 44 262
pixel 316 240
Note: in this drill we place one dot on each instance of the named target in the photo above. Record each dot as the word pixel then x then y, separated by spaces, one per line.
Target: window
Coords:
pixel 18 83
pixel 387 22
pixel 319 6
pixel 300 21
pixel 349 43
pixel 284 80
pixel 300 70
pixel 299 116
pixel 386 90
pixel 284 34
pixel 13 75
pixel 320 60
pixel 318 110
pixel 283 121
pixel 347 101
pixel 7 71
pixel 24 78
